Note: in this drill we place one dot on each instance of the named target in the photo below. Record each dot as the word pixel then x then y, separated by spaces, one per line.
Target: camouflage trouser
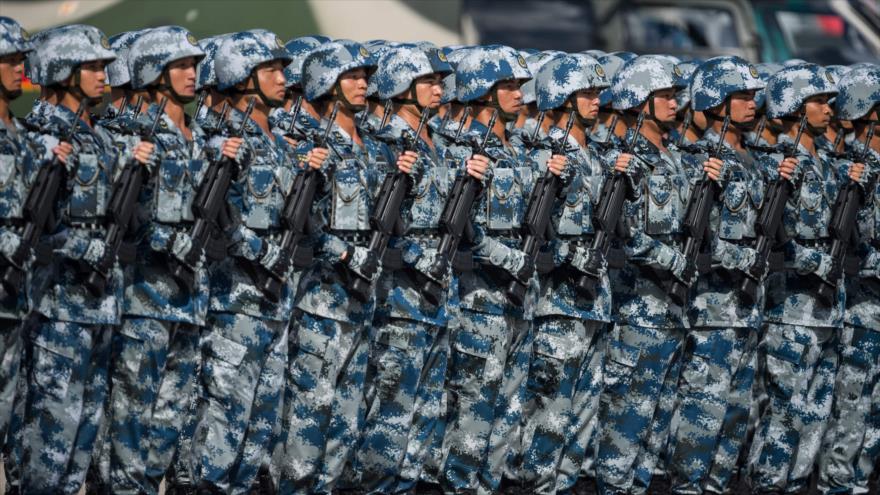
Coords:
pixel 562 346
pixel 856 380
pixel 713 409
pixel 10 362
pixel 869 457
pixel 242 368
pixel 140 352
pixel 397 356
pixel 641 377
pixel 425 436
pixel 486 384
pixel 66 390
pixel 324 411
pixel 800 364
pixel 579 453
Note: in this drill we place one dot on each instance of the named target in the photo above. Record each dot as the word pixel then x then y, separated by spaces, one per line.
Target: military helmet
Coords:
pixel 858 92
pixel 151 53
pixel 640 77
pixel 612 63
pixel 299 48
pixel 240 53
pixel 33 67
pixel 400 67
pixel 453 55
pixel 117 70
pixel 482 67
pixel 62 51
pixel 377 49
pixel 13 38
pixel 719 77
pixel 563 76
pixel 535 61
pixel 765 72
pixel 207 76
pixel 323 66
pixel 683 96
pixel 789 88
pixel 594 53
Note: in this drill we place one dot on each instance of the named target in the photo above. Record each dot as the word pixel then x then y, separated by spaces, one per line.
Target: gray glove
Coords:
pixel 588 261
pixel 362 261
pixel 94 252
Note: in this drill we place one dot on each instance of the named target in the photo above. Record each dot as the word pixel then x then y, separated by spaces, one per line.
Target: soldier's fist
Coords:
pixel 556 164
pixel 406 161
pixel 787 167
pixel 316 156
pixel 477 166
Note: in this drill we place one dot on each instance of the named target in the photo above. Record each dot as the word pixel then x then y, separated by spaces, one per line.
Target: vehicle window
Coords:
pixel 821 37
pixel 676 28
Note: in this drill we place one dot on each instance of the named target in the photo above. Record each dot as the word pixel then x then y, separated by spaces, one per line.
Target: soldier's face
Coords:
pixel 742 106
pixel 429 89
pixel 92 79
pixel 588 103
pixel 353 84
pixel 270 77
pixel 509 96
pixel 665 105
pixel 818 111
pixel 182 74
pixel 12 71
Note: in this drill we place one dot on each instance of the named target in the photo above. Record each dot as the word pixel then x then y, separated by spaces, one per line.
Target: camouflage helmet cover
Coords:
pixel 789 88
pixel 117 70
pixel 482 67
pixel 563 76
pixel 299 48
pixel 535 61
pixel 641 76
pixel 612 63
pixel 719 77
pixel 240 53
pixel 323 66
pixel 13 38
pixel 858 93
pixel 400 66
pixel 63 50
pixel 152 51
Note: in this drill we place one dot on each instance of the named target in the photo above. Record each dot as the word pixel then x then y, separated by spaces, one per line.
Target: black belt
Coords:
pixel 814 243
pixel 353 237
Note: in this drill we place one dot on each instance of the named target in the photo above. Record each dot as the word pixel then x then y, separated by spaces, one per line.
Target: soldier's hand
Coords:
pixel 143 152
pixel 787 167
pixel 406 161
pixel 231 147
pixel 556 164
pixel 477 166
pixel 62 151
pixel 855 171
pixel 713 168
pixel 622 163
pixel 316 156
pixel 292 142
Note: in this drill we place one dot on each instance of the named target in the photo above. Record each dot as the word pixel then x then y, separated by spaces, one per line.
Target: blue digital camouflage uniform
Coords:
pixel 642 361
pixel 568 325
pixel 847 457
pixel 69 349
pixel 800 340
pixel 328 358
pixel 17 167
pixel 718 365
pixel 490 348
pixel 160 314
pixel 402 394
pixel 244 345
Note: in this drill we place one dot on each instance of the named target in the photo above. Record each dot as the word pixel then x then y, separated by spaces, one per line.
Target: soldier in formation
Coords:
pixel 330 267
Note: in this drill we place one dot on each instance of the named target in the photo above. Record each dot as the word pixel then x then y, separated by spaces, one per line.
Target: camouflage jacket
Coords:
pixel 256 198
pixel 715 298
pixel 792 294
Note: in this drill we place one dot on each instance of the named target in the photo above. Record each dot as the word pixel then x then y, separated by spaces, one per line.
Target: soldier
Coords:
pixel 70 348
pixel 17 166
pixel 609 128
pixel 155 349
pixel 568 322
pixel 847 456
pixel 329 357
pixel 208 114
pixel 718 364
pixel 692 122
pixel 642 361
pixel 307 118
pixel 799 344
pixel 490 348
pixel 409 338
pixel 244 346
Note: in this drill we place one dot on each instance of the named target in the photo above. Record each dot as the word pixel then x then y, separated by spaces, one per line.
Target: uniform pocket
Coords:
pixel 224 356
pixel 308 362
pixel 52 369
pixel 391 354
pixel 470 355
pixel 619 367
pixel 547 369
pixel 349 200
pixel 499 202
pixel 261 210
pixel 572 219
pixel 664 204
pixel 784 362
pixel 88 196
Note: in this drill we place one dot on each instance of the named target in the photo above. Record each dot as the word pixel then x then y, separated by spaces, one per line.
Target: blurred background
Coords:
pixel 821 31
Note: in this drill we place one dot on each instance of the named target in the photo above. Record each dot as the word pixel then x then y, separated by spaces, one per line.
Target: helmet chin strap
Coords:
pixel 164 84
pixel 572 105
pixel 340 95
pixel 493 103
pixel 75 89
pixel 8 93
pixel 257 90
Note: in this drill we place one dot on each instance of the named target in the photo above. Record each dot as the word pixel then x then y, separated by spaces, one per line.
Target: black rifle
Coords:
pixel 849 201
pixel 536 226
pixel 294 222
pixel 455 218
pixel 38 213
pixel 696 223
pixel 605 218
pixel 207 204
pixel 200 103
pixel 688 118
pixel 120 211
pixel 759 129
pixel 294 114
pixel 385 220
pixel 769 225
pixel 138 105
